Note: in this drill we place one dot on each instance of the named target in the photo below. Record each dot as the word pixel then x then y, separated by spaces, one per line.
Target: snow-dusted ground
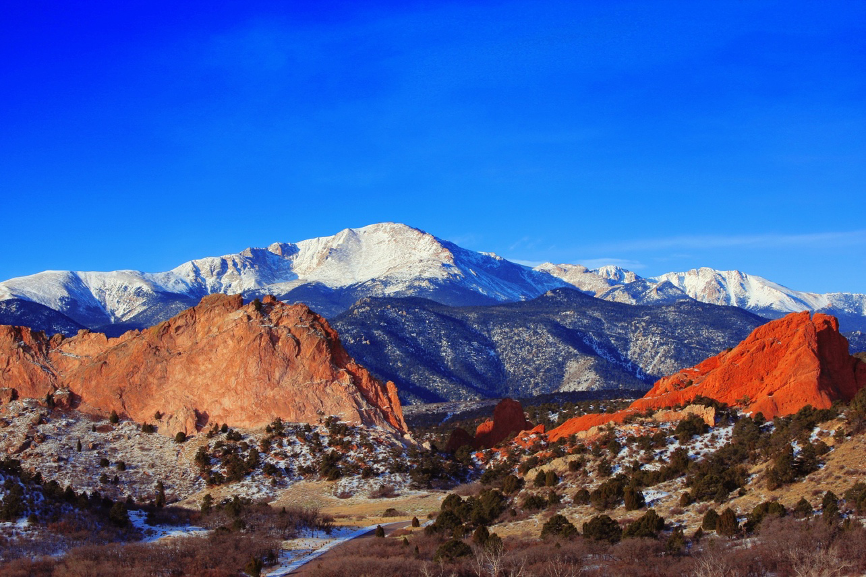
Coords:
pixel 298 552
pixel 156 532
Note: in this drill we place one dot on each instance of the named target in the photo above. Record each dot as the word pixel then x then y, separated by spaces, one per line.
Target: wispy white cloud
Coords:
pixel 813 240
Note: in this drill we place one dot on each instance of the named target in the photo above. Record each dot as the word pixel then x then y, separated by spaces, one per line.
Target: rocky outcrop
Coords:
pixel 781 367
pixel 221 361
pixel 508 418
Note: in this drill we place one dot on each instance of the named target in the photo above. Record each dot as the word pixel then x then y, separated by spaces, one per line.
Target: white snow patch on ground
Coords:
pixel 298 552
pixel 156 532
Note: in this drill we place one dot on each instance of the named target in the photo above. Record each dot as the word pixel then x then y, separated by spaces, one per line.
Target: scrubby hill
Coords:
pixel 563 340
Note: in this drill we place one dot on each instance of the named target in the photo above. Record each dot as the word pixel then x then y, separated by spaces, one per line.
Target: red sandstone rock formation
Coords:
pixel 508 417
pixel 220 361
pixel 781 367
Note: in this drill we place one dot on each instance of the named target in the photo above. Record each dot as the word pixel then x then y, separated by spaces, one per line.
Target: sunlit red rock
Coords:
pixel 220 361
pixel 508 418
pixel 781 367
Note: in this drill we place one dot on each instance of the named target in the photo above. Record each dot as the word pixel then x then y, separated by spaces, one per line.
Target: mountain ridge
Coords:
pixel 331 273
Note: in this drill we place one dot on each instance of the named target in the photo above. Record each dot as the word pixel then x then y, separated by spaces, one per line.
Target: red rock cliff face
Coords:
pixel 782 366
pixel 220 361
pixel 508 417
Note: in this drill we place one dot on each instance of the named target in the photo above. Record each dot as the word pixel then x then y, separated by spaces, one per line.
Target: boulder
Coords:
pixel 7 395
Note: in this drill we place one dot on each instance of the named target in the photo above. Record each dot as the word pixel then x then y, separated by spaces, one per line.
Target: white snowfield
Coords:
pixel 728 288
pixel 392 259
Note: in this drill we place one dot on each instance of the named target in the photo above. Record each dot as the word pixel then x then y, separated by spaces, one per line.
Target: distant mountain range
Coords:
pixel 728 288
pixel 381 260
pixel 444 322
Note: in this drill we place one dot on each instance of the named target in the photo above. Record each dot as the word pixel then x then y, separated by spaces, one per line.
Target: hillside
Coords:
pixel 563 340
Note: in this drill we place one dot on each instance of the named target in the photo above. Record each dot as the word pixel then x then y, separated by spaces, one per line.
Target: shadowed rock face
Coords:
pixel 220 361
pixel 781 367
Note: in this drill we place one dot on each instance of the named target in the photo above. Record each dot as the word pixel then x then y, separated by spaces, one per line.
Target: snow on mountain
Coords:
pixel 616 274
pixel 729 288
pixel 644 292
pixel 765 297
pixel 579 276
pixel 390 259
pixel 386 259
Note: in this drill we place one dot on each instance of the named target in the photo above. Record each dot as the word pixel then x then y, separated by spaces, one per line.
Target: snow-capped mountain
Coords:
pixel 328 273
pixel 728 288
pixel 382 260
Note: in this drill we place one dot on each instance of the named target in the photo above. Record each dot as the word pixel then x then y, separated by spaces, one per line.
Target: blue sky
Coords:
pixel 656 135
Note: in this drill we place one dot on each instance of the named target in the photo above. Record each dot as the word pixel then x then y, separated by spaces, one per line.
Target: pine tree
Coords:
pixel 160 494
pixel 206 504
pixel 727 524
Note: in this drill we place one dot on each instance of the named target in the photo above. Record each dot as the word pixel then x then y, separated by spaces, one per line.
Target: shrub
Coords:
pixel 512 484
pixel 118 514
pixel 633 499
pixel 551 479
pixel 581 497
pixel 605 469
pixel 121 465
pixel 180 437
pixel 767 508
pixel 727 525
pixel 380 532
pixel 691 425
pixel 558 526
pixel 416 522
pixel 676 542
pixel 602 528
pixel 830 507
pixel 253 568
pixel 452 549
pixel 160 494
pixel 206 504
pixel 103 462
pixel 711 518
pixel 608 494
pixel 113 418
pixel 540 479
pixel 803 509
pixel 647 526
pixel 534 502
pixel 480 536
